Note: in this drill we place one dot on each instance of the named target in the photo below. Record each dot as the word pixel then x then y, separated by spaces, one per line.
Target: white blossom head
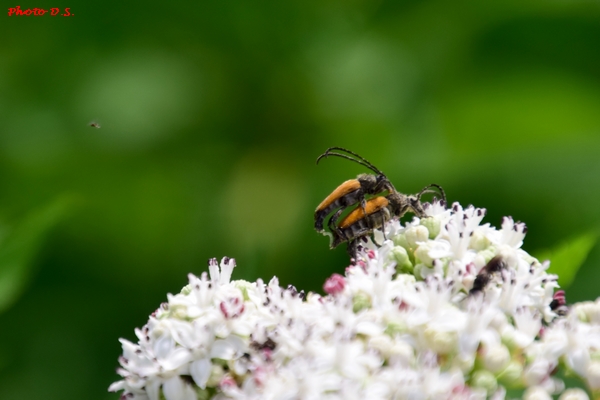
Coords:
pixel 441 307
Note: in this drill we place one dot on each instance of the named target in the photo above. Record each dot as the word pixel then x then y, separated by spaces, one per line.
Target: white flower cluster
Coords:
pixel 444 308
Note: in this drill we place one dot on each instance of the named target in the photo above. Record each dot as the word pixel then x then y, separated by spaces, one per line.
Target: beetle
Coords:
pixel 361 222
pixel 369 214
pixel 351 191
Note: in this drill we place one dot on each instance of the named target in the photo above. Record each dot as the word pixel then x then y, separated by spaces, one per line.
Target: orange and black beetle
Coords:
pixel 370 213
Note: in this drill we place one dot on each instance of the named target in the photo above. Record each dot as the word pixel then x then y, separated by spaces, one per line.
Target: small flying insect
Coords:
pixel 369 214
pixel 94 124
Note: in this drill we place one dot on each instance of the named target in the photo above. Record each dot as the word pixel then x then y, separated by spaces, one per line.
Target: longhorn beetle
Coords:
pixel 370 213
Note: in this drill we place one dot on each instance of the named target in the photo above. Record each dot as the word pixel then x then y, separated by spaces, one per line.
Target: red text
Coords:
pixel 38 12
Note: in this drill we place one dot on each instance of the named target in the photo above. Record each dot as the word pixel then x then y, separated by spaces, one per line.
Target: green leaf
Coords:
pixel 19 247
pixel 567 257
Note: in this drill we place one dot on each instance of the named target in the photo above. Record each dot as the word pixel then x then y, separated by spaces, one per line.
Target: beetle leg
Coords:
pixel 363 204
pixel 352 249
pixel 333 220
pixel 427 189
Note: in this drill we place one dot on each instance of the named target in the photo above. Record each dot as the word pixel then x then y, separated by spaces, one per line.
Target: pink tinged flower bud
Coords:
pixel 460 391
pixel 229 387
pixel 560 297
pixel 334 284
pixel 371 254
pixel 259 376
pixel 403 306
pixel 559 303
pixel 362 264
pixel 227 382
pixel 471 269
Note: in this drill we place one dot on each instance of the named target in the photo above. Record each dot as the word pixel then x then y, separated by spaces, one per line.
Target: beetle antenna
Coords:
pixel 426 189
pixel 359 160
pixel 324 155
pixel 367 162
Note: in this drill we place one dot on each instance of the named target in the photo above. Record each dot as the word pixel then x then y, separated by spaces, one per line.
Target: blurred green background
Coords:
pixel 212 114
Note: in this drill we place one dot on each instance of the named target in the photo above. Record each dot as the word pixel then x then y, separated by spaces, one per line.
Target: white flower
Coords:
pixel 439 308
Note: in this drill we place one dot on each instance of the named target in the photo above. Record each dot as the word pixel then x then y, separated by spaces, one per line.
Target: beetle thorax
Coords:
pixel 367 180
pixel 398 202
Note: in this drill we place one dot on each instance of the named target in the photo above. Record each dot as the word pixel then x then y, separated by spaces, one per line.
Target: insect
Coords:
pixel 369 214
pixel 484 276
pixel 94 124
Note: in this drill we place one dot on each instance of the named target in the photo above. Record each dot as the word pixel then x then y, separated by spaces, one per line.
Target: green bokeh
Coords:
pixel 212 115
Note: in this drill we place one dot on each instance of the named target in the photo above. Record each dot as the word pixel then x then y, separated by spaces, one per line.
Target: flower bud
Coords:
pixel 484 379
pixel 418 271
pixel 416 234
pixel 495 358
pixel 593 375
pixel 400 240
pixel 422 254
pixel 244 287
pixel 479 241
pixel 536 372
pixel 508 337
pixel 433 226
pixel 179 312
pixel 334 284
pixel 464 362
pixel 360 302
pixel 536 393
pixel 187 289
pixel 512 374
pixel 442 342
pixel 588 311
pixel 400 256
pixel 403 353
pixel 216 374
pixel 499 321
pixel 395 328
pixel 487 254
pixel 574 394
pixel 382 343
